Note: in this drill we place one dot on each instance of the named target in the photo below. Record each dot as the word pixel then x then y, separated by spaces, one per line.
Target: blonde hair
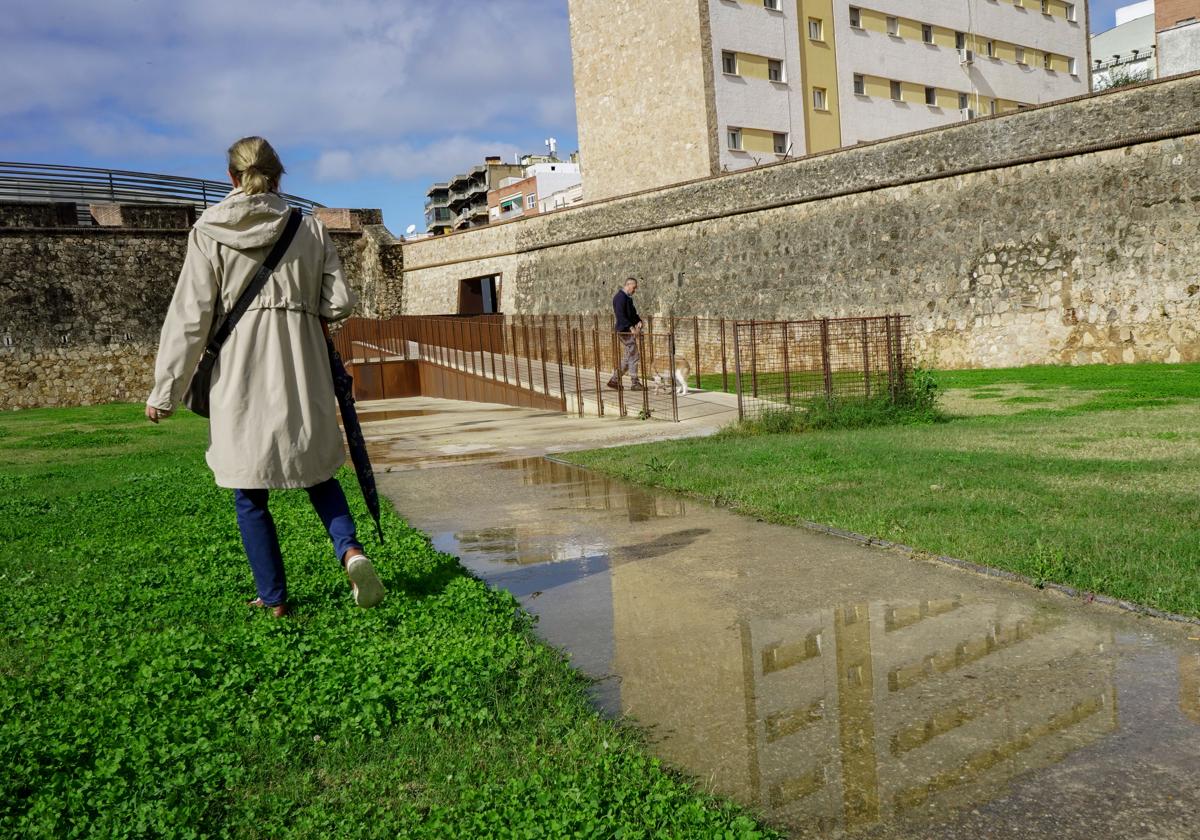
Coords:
pixel 256 165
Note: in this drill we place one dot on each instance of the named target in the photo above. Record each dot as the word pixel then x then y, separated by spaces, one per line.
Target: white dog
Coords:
pixel 663 379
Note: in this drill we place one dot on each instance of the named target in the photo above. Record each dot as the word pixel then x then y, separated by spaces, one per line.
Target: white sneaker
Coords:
pixel 365 584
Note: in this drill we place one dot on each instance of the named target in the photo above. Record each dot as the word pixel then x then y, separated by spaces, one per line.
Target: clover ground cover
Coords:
pixel 139 697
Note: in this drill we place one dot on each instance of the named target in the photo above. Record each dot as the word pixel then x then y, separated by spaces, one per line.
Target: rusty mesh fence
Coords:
pixel 571 359
pixel 781 364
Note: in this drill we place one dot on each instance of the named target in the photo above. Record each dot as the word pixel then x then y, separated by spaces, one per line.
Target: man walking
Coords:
pixel 629 327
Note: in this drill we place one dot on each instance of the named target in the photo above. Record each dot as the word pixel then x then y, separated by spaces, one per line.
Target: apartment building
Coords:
pixel 1177 30
pixel 462 202
pixel 721 85
pixel 517 197
pixel 1126 52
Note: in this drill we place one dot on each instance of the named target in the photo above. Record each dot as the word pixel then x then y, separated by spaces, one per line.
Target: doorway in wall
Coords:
pixel 477 296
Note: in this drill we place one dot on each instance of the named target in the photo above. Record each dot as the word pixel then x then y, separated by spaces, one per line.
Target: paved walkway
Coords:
pixel 835 689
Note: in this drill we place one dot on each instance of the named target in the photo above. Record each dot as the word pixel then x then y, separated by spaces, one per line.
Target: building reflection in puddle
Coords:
pixel 826 714
pixel 845 717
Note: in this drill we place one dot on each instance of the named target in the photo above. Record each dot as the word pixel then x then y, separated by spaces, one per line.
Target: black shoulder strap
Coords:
pixel 256 284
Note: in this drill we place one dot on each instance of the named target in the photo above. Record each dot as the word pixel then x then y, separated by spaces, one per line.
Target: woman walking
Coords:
pixel 273 422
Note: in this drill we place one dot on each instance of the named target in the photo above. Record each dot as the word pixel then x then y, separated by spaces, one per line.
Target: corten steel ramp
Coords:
pixel 564 362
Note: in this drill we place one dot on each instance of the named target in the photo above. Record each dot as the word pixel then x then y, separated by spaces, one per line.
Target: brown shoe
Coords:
pixel 277 610
pixel 615 384
pixel 636 386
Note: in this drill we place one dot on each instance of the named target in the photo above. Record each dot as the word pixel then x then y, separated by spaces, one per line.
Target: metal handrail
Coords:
pixel 85 185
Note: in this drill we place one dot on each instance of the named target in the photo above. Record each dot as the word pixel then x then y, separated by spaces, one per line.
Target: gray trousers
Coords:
pixel 630 359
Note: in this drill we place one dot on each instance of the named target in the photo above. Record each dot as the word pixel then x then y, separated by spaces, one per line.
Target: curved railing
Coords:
pixel 86 185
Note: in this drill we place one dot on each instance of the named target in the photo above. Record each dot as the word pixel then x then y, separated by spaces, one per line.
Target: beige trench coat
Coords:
pixel 274 413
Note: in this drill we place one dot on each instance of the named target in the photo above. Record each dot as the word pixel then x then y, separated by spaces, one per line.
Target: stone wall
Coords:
pixel 1062 234
pixel 81 306
pixel 643 93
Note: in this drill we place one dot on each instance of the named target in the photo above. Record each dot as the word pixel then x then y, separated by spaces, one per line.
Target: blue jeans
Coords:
pixel 261 541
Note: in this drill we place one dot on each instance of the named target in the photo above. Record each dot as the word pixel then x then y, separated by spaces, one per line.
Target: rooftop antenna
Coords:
pixel 552 145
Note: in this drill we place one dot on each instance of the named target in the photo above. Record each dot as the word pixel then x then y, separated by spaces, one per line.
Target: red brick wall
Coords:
pixel 1168 13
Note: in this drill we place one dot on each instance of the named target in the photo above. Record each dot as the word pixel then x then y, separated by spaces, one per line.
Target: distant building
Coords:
pixel 1177 28
pixel 517 197
pixel 462 202
pixel 1125 52
pixel 671 90
pixel 563 198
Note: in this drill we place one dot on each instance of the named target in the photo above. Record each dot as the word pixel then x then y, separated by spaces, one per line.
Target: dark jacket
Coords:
pixel 626 312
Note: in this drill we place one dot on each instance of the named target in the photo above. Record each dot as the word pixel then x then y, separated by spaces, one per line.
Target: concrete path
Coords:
pixel 835 689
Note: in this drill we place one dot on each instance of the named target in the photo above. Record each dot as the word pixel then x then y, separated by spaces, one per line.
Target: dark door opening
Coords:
pixel 477 296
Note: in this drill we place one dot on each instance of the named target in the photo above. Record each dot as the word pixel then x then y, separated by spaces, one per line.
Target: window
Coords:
pixel 1070 12
pixel 820 102
pixel 1046 59
pixel 1071 68
pixel 729 63
pixel 1020 55
pixel 781 143
pixel 964 102
pixel 815 32
pixel 860 84
pixel 774 70
pixel 1045 7
pixel 896 92
pixel 530 201
pixel 960 40
pixel 990 46
pixel 931 96
pixel 926 33
pixel 735 139
pixel 893 26
pixel 855 17
pixel 773 5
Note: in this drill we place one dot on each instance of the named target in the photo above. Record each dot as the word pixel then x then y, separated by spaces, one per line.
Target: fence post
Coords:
pixel 753 359
pixel 737 372
pixel 528 354
pixel 891 357
pixel 575 360
pixel 787 366
pixel 596 369
pixel 901 357
pixel 825 366
pixel 562 381
pixel 866 348
pixel 542 353
pixel 724 364
pixel 617 346
pixel 696 337
pixel 670 383
pixel 641 340
pixel 499 328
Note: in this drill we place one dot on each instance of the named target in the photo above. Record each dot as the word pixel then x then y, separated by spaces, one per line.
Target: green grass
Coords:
pixel 139 697
pixel 1097 488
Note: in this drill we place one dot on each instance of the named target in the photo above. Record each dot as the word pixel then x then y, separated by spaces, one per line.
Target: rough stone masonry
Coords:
pixel 81 305
pixel 1065 234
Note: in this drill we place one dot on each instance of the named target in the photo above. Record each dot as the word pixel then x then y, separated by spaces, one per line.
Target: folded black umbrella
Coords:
pixel 343 386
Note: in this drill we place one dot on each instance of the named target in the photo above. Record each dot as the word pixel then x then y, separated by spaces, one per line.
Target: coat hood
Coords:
pixel 245 221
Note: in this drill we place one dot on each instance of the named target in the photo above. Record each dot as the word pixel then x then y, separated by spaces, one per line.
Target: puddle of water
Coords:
pixel 393 414
pixel 836 690
pixel 386 458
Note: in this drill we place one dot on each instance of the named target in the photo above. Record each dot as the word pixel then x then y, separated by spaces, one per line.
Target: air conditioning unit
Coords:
pixel 965 114
pixel 966 56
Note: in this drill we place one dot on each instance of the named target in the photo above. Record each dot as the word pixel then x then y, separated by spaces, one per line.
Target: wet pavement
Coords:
pixel 835 689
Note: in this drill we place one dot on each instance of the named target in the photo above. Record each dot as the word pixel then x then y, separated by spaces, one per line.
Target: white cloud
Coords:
pixel 401 161
pixel 370 81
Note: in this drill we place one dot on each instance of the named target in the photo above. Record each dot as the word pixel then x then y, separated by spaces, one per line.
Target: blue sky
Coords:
pixel 367 101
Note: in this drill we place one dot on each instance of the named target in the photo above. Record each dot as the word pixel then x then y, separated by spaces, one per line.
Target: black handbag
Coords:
pixel 197 395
